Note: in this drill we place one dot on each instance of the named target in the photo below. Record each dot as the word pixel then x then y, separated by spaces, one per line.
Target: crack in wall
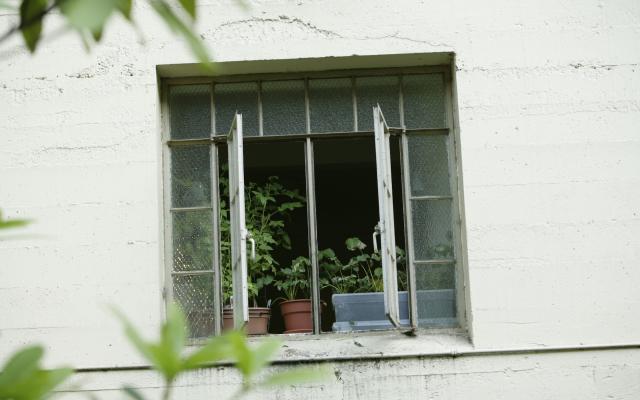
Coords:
pixel 308 26
pixel 282 19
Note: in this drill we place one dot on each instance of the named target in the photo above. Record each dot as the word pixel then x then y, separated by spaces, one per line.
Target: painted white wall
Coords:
pixel 549 115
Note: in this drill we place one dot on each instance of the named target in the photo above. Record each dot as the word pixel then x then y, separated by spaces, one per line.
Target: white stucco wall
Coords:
pixel 549 124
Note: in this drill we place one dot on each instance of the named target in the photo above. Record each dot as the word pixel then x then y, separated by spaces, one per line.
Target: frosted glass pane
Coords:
pixel 331 105
pixel 190 111
pixel 436 294
pixel 190 176
pixel 432 234
pixel 232 97
pixel 194 294
pixel 423 101
pixel 435 276
pixel 429 165
pixel 283 109
pixel 192 241
pixel 383 90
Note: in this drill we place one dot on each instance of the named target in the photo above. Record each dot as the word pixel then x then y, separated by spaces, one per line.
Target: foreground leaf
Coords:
pixel 124 6
pixel 22 379
pixel 88 15
pixel 21 365
pixel 189 6
pixel 216 349
pixel 31 21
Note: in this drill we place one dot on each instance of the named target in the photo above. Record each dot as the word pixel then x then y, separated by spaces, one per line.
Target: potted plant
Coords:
pixel 293 282
pixel 268 207
pixel 357 286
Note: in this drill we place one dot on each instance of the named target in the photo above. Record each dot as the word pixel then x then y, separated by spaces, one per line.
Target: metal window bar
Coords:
pixel 312 235
pixel 215 237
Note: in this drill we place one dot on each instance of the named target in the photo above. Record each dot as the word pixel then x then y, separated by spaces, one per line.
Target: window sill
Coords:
pixel 370 345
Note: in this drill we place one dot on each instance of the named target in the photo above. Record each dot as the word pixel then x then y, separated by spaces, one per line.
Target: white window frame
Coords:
pixel 454 169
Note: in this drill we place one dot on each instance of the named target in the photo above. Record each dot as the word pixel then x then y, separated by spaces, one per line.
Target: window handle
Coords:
pixel 253 247
pixel 376 232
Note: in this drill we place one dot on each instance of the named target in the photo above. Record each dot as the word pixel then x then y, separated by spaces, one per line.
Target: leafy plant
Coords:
pixel 22 378
pixel 339 277
pixel 363 271
pixel 293 281
pixel 268 207
pixel 167 356
pixel 369 266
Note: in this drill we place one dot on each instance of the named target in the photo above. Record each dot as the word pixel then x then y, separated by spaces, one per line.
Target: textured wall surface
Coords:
pixel 549 114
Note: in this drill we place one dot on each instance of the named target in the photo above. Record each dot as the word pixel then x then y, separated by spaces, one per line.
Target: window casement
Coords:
pixel 360 164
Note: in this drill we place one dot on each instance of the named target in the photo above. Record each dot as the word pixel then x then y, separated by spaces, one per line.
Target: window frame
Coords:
pixel 454 168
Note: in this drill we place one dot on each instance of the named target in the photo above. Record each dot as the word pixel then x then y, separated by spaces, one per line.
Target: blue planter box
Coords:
pixel 365 311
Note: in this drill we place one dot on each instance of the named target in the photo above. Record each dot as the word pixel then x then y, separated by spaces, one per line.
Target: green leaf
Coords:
pixel 124 6
pixel 262 354
pixel 22 379
pixel 21 365
pixel 31 13
pixel 134 337
pixel 97 35
pixel 216 349
pixel 355 243
pixel 189 6
pixel 175 329
pixel 172 340
pixel 297 376
pixel 289 206
pixel 45 381
pixel 88 14
pixel 240 353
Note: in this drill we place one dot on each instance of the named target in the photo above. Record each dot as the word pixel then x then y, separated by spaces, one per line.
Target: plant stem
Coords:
pixel 166 393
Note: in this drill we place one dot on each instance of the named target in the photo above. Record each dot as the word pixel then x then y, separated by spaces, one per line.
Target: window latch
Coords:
pixel 253 246
pixel 376 232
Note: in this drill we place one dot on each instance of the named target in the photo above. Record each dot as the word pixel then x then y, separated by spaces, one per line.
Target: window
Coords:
pixel 338 190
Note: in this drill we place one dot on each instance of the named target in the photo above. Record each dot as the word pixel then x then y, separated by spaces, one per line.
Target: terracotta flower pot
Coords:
pixel 297 316
pixel 258 320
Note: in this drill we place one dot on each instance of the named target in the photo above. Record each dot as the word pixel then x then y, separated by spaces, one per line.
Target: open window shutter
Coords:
pixel 386 226
pixel 237 222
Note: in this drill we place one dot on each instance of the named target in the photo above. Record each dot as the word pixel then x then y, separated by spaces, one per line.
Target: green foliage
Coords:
pixel 21 378
pixel 293 281
pixel 90 17
pixel 363 271
pixel 166 356
pixel 341 278
pixel 268 208
pixel 30 11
